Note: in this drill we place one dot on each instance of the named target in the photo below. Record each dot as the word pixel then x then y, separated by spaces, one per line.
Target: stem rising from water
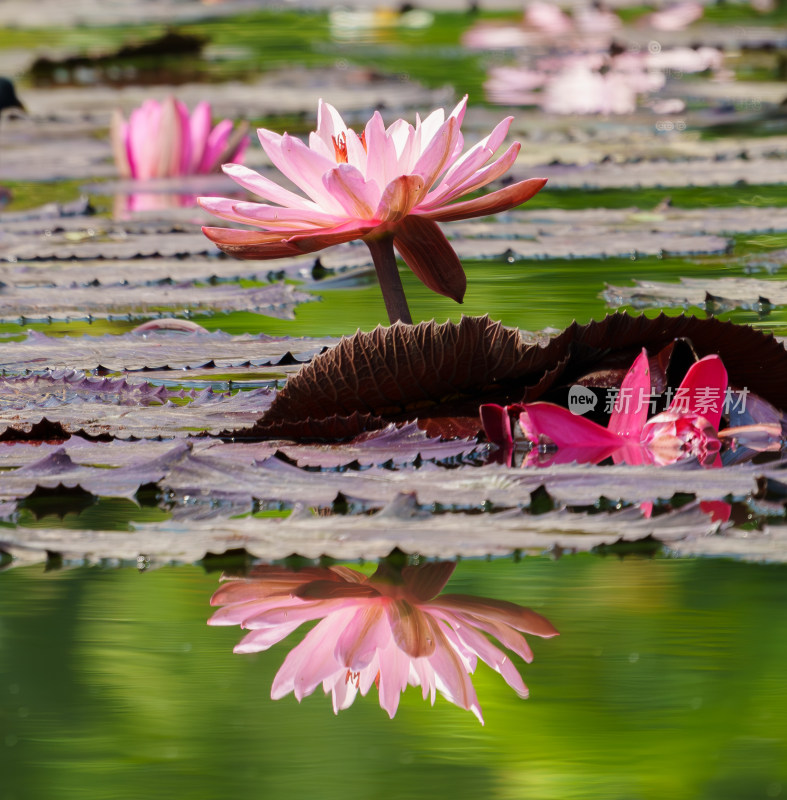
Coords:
pixel 388 275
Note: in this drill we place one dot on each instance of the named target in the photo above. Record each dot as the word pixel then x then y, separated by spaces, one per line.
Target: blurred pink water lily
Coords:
pixel 687 429
pixel 597 83
pixel 161 140
pixel 388 630
pixel 389 187
pixel 675 17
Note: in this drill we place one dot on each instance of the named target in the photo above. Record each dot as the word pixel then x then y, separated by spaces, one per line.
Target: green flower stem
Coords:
pixel 384 259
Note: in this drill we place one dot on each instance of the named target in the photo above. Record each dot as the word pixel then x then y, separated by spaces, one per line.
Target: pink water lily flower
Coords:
pixel 675 17
pixel 161 140
pixel 389 187
pixel 388 630
pixel 687 429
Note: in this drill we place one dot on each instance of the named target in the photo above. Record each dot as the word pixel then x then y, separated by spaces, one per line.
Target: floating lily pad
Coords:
pixel 119 469
pixel 57 389
pixel 398 525
pixel 683 221
pixel 146 245
pixel 150 271
pixel 391 446
pixel 464 487
pixel 57 469
pixel 135 302
pixel 84 452
pixel 157 350
pixel 395 446
pixel 612 244
pixel 714 296
pixel 767 544
pixel 663 174
pixel 96 408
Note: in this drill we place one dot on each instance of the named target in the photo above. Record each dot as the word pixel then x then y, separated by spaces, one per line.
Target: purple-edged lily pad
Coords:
pixel 714 296
pixel 157 350
pixel 115 408
pixel 361 537
pixel 134 302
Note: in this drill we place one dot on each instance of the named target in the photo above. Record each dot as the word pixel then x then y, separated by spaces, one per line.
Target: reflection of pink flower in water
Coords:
pixel 139 202
pixel 388 630
pixel 161 140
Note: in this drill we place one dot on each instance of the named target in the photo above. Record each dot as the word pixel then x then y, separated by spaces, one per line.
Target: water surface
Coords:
pixel 667 681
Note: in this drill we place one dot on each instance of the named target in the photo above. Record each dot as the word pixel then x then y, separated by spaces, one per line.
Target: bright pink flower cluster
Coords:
pixel 161 140
pixel 388 631
pixel 687 429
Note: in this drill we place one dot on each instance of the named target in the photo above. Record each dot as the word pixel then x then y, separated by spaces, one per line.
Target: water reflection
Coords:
pixel 387 630
pixel 136 202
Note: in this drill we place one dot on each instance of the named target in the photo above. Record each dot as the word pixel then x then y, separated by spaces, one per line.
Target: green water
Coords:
pixel 667 681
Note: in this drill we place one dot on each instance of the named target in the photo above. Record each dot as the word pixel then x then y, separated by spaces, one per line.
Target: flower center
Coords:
pixel 340 146
pixel 353 677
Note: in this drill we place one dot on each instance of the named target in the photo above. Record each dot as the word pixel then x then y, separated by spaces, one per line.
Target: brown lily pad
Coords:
pixel 441 373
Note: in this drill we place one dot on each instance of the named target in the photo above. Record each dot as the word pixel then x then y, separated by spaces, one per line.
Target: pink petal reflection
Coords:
pixel 389 630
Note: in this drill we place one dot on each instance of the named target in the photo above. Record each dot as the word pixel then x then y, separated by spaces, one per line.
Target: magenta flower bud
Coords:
pixel 674 436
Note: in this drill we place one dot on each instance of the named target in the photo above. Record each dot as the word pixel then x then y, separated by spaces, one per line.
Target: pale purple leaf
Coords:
pixel 135 302
pixel 157 350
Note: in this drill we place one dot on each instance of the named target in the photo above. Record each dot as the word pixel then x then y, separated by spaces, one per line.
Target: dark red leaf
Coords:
pixel 442 373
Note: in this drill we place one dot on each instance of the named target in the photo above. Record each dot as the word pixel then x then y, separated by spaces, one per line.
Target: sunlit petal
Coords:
pixel 492 203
